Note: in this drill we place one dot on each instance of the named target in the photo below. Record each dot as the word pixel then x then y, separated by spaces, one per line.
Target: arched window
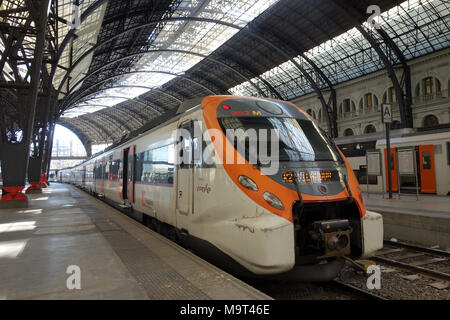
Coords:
pixel 396 125
pixel 348 106
pixel 430 121
pixel 428 86
pixel 370 101
pixel 348 132
pixel 370 129
pixel 390 96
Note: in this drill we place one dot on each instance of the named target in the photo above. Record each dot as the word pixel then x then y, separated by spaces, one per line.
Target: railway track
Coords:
pixel 363 294
pixel 414 258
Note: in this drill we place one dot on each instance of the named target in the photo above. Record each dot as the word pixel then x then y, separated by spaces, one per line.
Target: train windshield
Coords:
pixel 299 139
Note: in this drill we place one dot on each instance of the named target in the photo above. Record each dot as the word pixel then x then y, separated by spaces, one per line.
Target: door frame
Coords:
pixel 191 171
pixel 427 176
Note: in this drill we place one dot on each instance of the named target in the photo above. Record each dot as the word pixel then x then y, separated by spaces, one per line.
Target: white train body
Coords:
pixel 206 203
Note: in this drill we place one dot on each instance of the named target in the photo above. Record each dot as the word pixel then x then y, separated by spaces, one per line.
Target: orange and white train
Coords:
pixel 297 222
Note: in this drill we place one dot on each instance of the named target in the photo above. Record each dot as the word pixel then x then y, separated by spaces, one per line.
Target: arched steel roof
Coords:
pixel 291 49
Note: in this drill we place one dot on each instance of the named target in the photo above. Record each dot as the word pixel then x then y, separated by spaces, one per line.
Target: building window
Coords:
pixel 430 121
pixel 370 129
pixel 347 105
pixel 368 100
pixel 428 86
pixel 348 132
pixel 390 96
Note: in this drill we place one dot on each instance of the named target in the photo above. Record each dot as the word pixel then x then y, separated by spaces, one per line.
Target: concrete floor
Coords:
pixel 118 257
pixel 425 221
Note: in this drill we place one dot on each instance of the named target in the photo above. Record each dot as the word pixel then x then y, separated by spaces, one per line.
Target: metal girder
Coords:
pixel 141 71
pixel 71 34
pixel 122 123
pixel 139 118
pixel 149 24
pixel 95 125
pixel 308 77
pixel 117 123
pixel 407 73
pixel 333 129
pixel 143 119
pixel 352 13
pixel 254 74
pixel 126 98
pixel 134 28
pixel 118 75
pixel 111 96
pixel 253 34
pixel 172 51
pixel 125 86
pixel 209 58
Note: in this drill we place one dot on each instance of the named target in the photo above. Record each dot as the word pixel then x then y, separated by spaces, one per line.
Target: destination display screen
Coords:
pixel 311 176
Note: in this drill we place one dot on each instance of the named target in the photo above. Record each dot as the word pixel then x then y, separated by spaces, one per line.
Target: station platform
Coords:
pixel 118 258
pixel 425 221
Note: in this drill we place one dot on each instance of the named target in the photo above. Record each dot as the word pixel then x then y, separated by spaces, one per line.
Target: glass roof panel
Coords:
pixel 87 34
pixel 194 36
pixel 417 27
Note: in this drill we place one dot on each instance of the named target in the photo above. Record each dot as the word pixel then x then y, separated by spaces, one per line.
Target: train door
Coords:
pixel 83 177
pixel 128 161
pixel 102 176
pixel 427 172
pixel 123 172
pixel 185 175
pixel 131 168
pixel 393 169
pixel 96 177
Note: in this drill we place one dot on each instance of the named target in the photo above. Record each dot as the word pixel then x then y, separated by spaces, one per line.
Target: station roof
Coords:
pixel 133 60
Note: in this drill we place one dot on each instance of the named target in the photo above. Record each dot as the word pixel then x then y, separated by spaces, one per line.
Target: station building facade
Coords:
pixel 360 127
pixel 359 100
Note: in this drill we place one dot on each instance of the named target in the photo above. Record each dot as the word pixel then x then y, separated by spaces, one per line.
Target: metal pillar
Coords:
pixel 17 137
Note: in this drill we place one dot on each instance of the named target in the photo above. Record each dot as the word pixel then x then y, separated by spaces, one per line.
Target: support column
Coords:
pixel 17 137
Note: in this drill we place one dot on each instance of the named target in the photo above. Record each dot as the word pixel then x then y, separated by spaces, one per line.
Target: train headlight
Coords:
pixel 273 200
pixel 248 183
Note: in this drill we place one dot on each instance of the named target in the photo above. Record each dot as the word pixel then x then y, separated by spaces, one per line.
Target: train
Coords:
pixel 430 173
pixel 298 217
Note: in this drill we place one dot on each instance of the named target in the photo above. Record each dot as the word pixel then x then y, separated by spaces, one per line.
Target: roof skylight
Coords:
pixel 186 35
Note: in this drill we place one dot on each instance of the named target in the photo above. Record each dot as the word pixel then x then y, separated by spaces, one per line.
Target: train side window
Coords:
pixel 139 166
pixel 426 159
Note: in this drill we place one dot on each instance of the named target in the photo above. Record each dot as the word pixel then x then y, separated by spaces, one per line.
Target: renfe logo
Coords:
pixel 204 189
